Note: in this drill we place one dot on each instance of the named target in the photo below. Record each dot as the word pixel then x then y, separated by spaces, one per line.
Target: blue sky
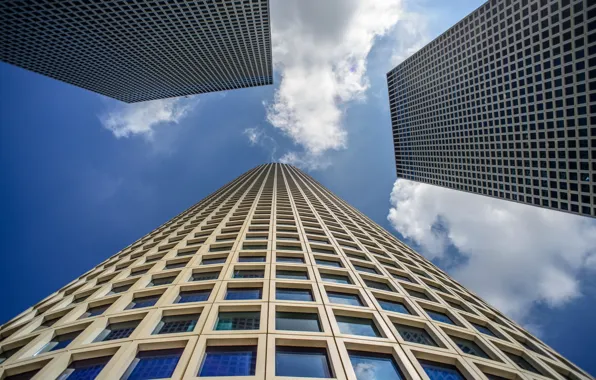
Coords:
pixel 84 176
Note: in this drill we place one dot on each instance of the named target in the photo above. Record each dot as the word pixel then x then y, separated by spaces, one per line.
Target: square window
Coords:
pixel 394 306
pixel 302 362
pixel 154 364
pixel 291 321
pixel 336 278
pixel 229 361
pixel 244 293
pixel 59 342
pixel 140 302
pixel 162 281
pixel 172 324
pixel 368 365
pixel 117 331
pixel 469 347
pixel 357 326
pixel 291 274
pixel 193 296
pixel 440 371
pixel 244 273
pixel 415 335
pixel 345 298
pixel 288 294
pixel 249 320
pixel 205 276
pixel 439 317
pixel 84 369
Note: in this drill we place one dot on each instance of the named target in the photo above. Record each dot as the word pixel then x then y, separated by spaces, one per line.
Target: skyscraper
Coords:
pixel 141 50
pixel 503 104
pixel 272 276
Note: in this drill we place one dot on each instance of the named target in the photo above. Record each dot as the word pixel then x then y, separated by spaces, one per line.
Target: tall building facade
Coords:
pixel 271 277
pixel 141 50
pixel 503 104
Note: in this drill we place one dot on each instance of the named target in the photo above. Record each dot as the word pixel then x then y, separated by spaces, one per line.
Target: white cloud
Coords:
pixel 515 255
pixel 320 50
pixel 125 120
pixel 411 34
pixel 258 137
pixel 365 371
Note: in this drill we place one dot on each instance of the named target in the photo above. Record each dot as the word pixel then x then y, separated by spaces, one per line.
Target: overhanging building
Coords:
pixel 271 277
pixel 141 50
pixel 503 104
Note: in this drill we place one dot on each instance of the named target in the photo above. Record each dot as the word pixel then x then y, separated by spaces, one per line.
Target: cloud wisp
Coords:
pixel 258 137
pixel 126 120
pixel 515 255
pixel 320 51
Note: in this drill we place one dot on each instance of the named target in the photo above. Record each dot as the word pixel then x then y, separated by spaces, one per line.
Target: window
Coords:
pixel 139 302
pixel 217 260
pixel 484 329
pixel 84 369
pixel 394 306
pixel 154 364
pixel 6 354
pixel 329 263
pixel 357 326
pixel 193 296
pixel 249 320
pixel 59 342
pixel 415 335
pixel 120 289
pixel 402 278
pixel 171 324
pixel 288 294
pixel 249 273
pixel 244 294
pixel 229 361
pixel 291 321
pixel 368 365
pixel 345 298
pixel 95 311
pixel 417 294
pixel 251 259
pixel 440 371
pixel 175 265
pixel 338 279
pixel 290 259
pixel 302 362
pixel 162 281
pixel 292 274
pixel 361 268
pixel 469 347
pixel 440 317
pixel 117 331
pixel 205 276
pixel 521 362
pixel 23 375
pixel 377 285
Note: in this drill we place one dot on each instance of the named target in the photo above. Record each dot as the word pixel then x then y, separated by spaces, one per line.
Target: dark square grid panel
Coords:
pixel 503 104
pixel 141 50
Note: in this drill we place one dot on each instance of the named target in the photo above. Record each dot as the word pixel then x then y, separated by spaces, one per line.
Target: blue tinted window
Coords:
pixel 469 347
pixel 297 321
pixel 162 281
pixel 139 302
pixel 84 369
pixel 377 285
pixel 345 298
pixel 394 306
pixel 338 279
pixel 153 364
pixel 329 263
pixel 238 321
pixel 293 294
pixel 440 371
pixel 365 269
pixel 59 342
pixel 205 276
pixel 193 296
pixel 357 326
pixel 415 335
pixel 95 311
pixel 369 365
pixel 302 362
pixel 402 278
pixel 117 331
pixel 219 260
pixel 177 324
pixel 229 361
pixel 521 362
pixel 244 294
pixel 483 329
pixel 440 317
pixel 291 274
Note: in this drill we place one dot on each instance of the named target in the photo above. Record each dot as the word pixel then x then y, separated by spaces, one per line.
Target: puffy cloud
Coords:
pixel 512 255
pixel 320 51
pixel 411 34
pixel 125 120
